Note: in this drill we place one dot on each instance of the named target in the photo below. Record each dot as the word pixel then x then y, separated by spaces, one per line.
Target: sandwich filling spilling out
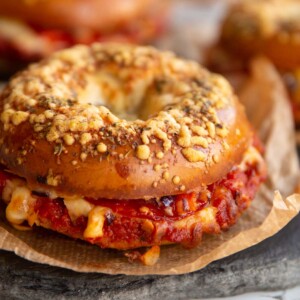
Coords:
pixel 124 224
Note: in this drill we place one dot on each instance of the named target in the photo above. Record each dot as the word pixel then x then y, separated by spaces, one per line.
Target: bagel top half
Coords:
pixel 120 122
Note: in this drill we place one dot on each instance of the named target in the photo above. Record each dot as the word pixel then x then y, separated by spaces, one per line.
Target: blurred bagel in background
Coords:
pixel 32 29
pixel 269 28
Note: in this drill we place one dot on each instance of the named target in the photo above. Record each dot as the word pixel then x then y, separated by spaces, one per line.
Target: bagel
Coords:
pixel 31 30
pixel 270 28
pixel 70 14
pixel 125 146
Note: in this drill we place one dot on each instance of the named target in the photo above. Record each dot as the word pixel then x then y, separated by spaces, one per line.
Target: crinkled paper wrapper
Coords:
pixel 274 206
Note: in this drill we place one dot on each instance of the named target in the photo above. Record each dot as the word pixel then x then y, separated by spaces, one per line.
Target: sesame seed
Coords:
pixel 176 179
pixel 101 148
pixel 143 152
pixel 157 167
pixel 83 156
pixel 182 188
pixel 166 175
pixel 216 158
pixel 85 138
pixel 159 155
pixel 69 139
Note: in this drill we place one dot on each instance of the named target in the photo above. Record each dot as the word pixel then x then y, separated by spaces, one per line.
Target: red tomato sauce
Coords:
pixel 124 225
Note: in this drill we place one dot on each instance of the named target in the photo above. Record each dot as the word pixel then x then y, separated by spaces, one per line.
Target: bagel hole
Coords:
pixel 109 91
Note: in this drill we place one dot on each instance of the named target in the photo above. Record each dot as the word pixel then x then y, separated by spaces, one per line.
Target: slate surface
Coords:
pixel 273 264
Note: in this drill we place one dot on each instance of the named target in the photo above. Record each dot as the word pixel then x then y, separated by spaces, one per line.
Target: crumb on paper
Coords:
pixel 149 258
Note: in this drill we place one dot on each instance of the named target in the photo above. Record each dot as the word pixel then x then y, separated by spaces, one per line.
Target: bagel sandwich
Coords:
pixel 31 30
pixel 269 28
pixel 124 147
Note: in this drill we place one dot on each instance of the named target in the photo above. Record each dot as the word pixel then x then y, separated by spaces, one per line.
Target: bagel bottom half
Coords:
pixel 127 224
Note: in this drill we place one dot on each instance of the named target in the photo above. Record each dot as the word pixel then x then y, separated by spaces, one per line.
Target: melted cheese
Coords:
pixel 251 156
pixel 151 257
pixel 95 224
pixel 20 207
pixel 77 207
pixel 21 203
pixel 206 216
pixel 9 188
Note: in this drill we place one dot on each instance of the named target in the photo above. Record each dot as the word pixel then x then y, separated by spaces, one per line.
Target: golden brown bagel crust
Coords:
pixel 192 133
pixel 267 27
pixel 70 14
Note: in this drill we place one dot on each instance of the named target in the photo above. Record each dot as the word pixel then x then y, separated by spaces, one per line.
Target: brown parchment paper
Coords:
pixel 268 108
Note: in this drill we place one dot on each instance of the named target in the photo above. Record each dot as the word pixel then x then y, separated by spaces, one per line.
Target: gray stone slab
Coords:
pixel 273 264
